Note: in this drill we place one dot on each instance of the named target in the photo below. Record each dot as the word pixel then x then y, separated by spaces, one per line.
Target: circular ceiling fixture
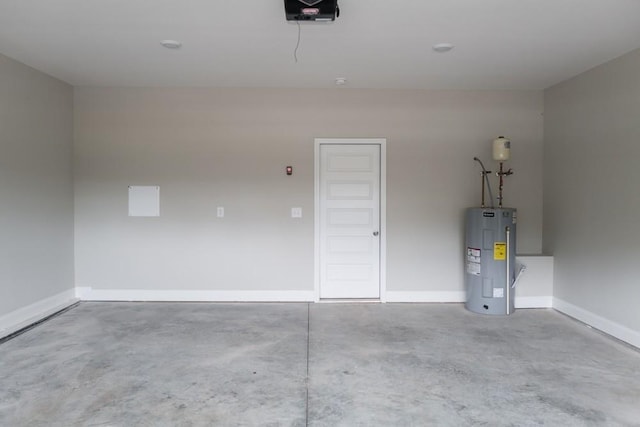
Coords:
pixel 442 47
pixel 171 44
pixel 341 81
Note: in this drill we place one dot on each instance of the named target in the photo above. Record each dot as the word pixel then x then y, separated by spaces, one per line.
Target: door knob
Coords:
pixel 375 233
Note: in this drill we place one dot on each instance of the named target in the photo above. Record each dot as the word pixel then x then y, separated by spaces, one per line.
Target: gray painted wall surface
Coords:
pixel 36 186
pixel 591 189
pixel 229 147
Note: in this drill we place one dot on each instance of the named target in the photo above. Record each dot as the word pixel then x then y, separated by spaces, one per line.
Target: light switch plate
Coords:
pixel 220 212
pixel 296 212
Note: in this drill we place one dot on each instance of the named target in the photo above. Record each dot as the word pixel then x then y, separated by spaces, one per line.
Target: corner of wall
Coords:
pixel 32 313
pixel 607 326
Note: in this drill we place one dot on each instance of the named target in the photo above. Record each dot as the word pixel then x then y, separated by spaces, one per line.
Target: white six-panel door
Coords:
pixel 349 221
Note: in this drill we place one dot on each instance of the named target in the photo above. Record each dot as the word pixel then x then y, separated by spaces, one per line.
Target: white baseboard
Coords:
pixel 25 316
pixel 617 330
pixel 534 302
pixel 425 296
pixel 460 296
pixel 90 294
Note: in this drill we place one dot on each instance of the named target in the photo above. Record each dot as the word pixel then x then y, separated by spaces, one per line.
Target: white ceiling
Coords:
pixel 500 44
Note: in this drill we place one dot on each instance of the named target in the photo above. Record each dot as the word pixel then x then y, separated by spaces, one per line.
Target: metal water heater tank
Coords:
pixel 490 270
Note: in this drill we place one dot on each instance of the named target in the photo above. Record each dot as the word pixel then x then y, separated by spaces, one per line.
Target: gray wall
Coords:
pixel 229 147
pixel 36 186
pixel 592 189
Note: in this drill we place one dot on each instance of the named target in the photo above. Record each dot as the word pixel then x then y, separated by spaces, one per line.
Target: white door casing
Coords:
pixel 349 218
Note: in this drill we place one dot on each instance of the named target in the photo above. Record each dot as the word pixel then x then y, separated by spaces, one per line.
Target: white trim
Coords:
pixel 617 330
pixel 383 220
pixel 89 294
pixel 316 220
pixel 460 296
pixel 426 296
pixel 534 302
pixel 82 292
pixel 32 313
pixel 383 208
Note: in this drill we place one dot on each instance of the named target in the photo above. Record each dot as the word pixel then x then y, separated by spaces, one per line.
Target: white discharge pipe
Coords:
pixel 508 233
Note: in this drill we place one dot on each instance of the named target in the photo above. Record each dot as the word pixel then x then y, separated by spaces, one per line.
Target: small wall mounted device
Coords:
pixel 311 10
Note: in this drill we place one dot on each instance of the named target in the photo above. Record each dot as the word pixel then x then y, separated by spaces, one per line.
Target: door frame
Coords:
pixel 382 142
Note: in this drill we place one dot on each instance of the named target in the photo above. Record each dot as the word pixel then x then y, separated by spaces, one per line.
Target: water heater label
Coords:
pixel 498 293
pixel 473 252
pixel 473 261
pixel 473 268
pixel 500 251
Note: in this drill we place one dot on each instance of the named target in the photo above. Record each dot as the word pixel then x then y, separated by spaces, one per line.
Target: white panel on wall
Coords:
pixel 144 200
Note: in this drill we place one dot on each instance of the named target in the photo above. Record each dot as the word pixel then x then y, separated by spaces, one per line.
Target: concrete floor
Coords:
pixel 165 364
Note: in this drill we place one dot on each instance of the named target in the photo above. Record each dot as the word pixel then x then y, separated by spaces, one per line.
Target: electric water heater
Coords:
pixel 490 271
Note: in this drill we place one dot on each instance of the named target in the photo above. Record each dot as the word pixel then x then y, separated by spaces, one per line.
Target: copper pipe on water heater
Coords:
pixel 500 188
pixel 502 174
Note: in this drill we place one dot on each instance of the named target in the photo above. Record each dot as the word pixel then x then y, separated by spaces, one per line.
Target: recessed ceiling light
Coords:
pixel 171 44
pixel 341 81
pixel 442 47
